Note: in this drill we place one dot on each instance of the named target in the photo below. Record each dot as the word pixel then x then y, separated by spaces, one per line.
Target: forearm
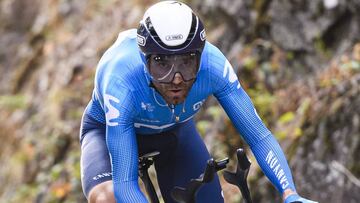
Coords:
pixel 263 144
pixel 126 192
pixel 273 163
pixel 123 151
pixel 242 113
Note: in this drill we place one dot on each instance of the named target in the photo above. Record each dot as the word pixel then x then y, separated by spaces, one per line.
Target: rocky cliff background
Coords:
pixel 298 60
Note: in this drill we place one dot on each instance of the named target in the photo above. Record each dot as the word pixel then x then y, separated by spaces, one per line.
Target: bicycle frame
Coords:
pixel 145 162
pixel 188 194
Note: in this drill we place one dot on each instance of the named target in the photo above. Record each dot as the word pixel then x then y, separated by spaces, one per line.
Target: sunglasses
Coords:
pixel 163 67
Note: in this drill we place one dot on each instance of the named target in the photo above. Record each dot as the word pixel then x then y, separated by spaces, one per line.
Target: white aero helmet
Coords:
pixel 170 27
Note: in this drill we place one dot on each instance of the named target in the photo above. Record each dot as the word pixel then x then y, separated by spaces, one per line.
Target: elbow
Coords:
pixel 129 192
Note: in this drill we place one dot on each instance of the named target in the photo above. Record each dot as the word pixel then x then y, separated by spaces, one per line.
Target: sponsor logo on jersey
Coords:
pixel 159 127
pixel 147 107
pixel 149 120
pixel 198 105
pixel 256 113
pixel 229 71
pixel 103 175
pixel 275 166
pixel 112 112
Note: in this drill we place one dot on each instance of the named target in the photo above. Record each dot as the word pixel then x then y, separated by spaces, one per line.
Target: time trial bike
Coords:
pixel 188 194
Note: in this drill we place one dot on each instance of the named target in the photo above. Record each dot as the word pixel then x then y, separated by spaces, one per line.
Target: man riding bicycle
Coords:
pixel 148 86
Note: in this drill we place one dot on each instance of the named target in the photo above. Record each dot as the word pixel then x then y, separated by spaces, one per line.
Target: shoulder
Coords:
pixel 121 62
pixel 213 60
pixel 220 71
pixel 213 54
pixel 125 44
pixel 124 52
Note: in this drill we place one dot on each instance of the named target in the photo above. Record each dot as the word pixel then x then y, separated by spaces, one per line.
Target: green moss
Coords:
pixel 355 169
pixel 215 111
pixel 287 117
pixel 250 63
pixel 56 171
pixel 292 149
pixel 202 126
pixel 320 46
pixel 290 56
pixel 280 135
pixel 13 102
pixel 76 114
pixel 76 171
pixel 263 101
pixel 25 193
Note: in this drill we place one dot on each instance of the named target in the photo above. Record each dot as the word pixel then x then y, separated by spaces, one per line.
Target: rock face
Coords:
pixel 296 25
pixel 303 36
pixel 49 51
pixel 326 156
pixel 312 29
pixel 323 154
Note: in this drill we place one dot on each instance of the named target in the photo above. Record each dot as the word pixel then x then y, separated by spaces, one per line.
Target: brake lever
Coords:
pixel 212 167
pixel 188 194
pixel 239 177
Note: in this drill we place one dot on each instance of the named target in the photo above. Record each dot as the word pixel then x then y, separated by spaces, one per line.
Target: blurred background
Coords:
pixel 299 60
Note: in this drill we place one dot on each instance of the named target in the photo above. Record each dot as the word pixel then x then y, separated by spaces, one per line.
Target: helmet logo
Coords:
pixel 176 2
pixel 203 35
pixel 174 37
pixel 141 40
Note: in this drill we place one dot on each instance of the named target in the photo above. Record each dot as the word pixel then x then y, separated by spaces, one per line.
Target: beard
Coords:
pixel 172 93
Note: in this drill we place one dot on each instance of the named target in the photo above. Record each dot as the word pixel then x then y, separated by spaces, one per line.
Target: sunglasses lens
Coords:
pixel 164 67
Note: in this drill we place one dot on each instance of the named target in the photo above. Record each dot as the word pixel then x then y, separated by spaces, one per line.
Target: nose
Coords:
pixel 178 79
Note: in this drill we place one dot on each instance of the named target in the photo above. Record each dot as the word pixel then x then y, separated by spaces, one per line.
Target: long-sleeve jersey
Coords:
pixel 124 100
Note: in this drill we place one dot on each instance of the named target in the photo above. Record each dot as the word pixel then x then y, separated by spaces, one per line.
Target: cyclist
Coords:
pixel 148 86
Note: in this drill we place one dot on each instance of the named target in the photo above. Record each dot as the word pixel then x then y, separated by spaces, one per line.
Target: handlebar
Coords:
pixel 239 177
pixel 188 194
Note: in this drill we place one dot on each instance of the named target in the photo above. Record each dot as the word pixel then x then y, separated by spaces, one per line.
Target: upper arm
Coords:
pixel 120 133
pixel 238 106
pixel 122 143
pixel 223 79
pixel 233 98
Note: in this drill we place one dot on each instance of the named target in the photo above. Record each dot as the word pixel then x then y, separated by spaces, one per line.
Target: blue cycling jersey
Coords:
pixel 124 100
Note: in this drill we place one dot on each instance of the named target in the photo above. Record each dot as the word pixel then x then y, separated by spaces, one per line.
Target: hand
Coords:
pixel 295 198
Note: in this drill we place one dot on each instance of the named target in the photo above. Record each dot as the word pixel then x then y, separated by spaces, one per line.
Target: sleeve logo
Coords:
pixel 228 70
pixel 112 112
pixel 274 164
